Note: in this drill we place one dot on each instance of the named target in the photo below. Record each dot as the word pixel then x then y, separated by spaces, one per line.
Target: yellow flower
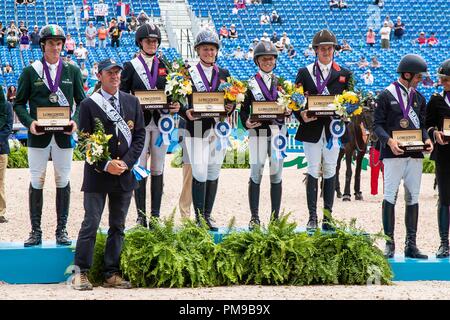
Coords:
pixel 357 111
pixel 293 106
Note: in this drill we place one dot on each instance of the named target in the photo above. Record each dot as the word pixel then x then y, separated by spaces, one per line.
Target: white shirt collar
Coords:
pixel 107 96
pixel 206 69
pixel 147 59
pixel 407 90
pixel 322 66
pixel 55 65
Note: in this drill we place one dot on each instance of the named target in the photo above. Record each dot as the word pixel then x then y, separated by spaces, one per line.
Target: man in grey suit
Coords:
pixel 122 117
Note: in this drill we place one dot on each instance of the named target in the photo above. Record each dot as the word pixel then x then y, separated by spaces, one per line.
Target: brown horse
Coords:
pixel 358 130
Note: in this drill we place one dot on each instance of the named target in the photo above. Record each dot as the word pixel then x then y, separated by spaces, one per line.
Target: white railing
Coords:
pixel 171 35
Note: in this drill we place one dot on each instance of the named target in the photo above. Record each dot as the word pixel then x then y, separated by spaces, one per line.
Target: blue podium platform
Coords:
pixel 48 263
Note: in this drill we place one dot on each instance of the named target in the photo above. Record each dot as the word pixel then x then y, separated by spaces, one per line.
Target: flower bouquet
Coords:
pixel 95 145
pixel 234 90
pixel 179 84
pixel 348 104
pixel 290 95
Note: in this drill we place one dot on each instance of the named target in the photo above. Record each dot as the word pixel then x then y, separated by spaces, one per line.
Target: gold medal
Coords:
pixel 130 124
pixel 404 123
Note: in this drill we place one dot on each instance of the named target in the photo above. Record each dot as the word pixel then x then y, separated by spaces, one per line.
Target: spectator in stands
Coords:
pixel 102 34
pixel 122 24
pixel 70 44
pixel 274 38
pixel 428 82
pixel 379 3
pixel 309 52
pixel 238 53
pixel 233 32
pixel 22 27
pixel 81 53
pixel 94 70
pixel 275 18
pixel 390 25
pixel 292 53
pixel 253 44
pixel 363 63
pixel 91 35
pixel 279 46
pixel 24 41
pixel 142 17
pixel 370 37
pixel 334 4
pixel 115 33
pixel 11 94
pixel 385 33
pixel 13 28
pixel 368 78
pixel 7 69
pixel 265 37
pixel 35 37
pixel 265 19
pixel 399 29
pixel 239 4
pixel 285 40
pixel 84 72
pixel 342 4
pixel 70 61
pixel 432 40
pixel 12 40
pixel 421 40
pixel 249 55
pixel 223 33
pixel 345 46
pixel 2 34
pixel 374 63
pixel 133 24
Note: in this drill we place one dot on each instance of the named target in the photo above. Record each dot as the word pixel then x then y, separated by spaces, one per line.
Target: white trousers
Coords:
pixel 156 154
pixel 205 159
pixel 261 148
pixel 408 169
pixel 62 163
pixel 314 152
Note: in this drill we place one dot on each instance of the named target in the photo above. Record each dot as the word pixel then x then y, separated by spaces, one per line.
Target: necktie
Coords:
pixel 112 101
pixel 325 72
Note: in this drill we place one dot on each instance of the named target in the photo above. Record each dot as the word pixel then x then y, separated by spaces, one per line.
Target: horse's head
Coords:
pixel 367 116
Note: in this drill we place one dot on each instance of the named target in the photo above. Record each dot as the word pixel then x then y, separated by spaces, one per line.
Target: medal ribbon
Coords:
pixel 53 86
pixel 270 96
pixel 152 75
pixel 319 84
pixel 215 79
pixel 402 103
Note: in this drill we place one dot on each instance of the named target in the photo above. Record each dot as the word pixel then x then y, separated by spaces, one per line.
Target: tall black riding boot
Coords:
pixel 276 190
pixel 388 216
pixel 36 202
pixel 62 213
pixel 211 191
pixel 443 221
pixel 311 199
pixel 253 199
pixel 140 200
pixel 329 190
pixel 156 190
pixel 198 199
pixel 411 218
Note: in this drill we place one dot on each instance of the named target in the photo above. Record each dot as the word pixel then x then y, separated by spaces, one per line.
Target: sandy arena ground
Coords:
pixel 231 201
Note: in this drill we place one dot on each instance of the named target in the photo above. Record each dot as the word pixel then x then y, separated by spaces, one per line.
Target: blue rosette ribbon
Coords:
pixel 223 132
pixel 166 125
pixel 337 129
pixel 279 145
